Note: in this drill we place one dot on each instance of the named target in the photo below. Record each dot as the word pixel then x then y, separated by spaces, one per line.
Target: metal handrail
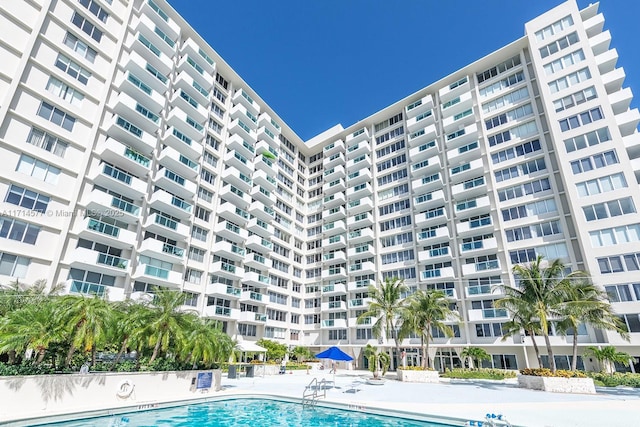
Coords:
pixel 312 391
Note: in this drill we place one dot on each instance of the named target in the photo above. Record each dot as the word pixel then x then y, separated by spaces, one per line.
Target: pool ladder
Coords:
pixel 314 390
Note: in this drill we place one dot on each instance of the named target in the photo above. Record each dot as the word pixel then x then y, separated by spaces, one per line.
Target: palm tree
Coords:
pixel 301 353
pixel 587 304
pixel 167 320
pixel 544 290
pixel 476 355
pixel 522 318
pixel 129 327
pixel 428 310
pixel 205 342
pixel 379 361
pixel 88 320
pixel 607 356
pixel 34 327
pixel 387 304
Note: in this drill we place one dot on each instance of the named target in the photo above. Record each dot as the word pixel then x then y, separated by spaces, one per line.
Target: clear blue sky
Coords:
pixel 322 62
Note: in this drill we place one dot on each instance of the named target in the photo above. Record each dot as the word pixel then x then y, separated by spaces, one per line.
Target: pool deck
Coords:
pixel 460 399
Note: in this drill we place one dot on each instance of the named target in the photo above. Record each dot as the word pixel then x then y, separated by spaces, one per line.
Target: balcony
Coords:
pixel 360 285
pixel 237 178
pixel 607 61
pixel 454 89
pixel 262 195
pixel 93 229
pixel 122 131
pixel 356 149
pixel 334 257
pixel 334 147
pixel 240 112
pixel 427 218
pixel 125 157
pixel 465 171
pixel 231 231
pixel 149 52
pixel 334 186
pixel 264 134
pixel 262 178
pixel 190 47
pixel 487 313
pixel 334 242
pixel 600 43
pixel 257 280
pixel 182 143
pixel 235 196
pixel 261 163
pixel 174 206
pixel 437 273
pixel 102 203
pixel 423 151
pixel 186 124
pixel 98 262
pixel 223 290
pixel 363 219
pixel 175 183
pixel 360 162
pixel 594 25
pixel 258 243
pixel 360 268
pixel 226 313
pixel 333 306
pixel 184 101
pixel 427 183
pixel 140 115
pixel 91 289
pixel 252 318
pixel 461 136
pixel 165 226
pixel 613 80
pixel 334 200
pixel 332 214
pixel 419 121
pixel 471 188
pixel 157 276
pixel 426 167
pixel 360 236
pixel 198 96
pixel 260 211
pixel 433 235
pixel 160 18
pixel 361 205
pixel 160 250
pixel 479 225
pixel 266 121
pixel 359 191
pixel 455 106
pixel 357 136
pixel 479 246
pixel 333 323
pixel 361 251
pixel 334 273
pixel 172 159
pixel 252 297
pixel 464 153
pixel 255 260
pixel 480 268
pixel 234 159
pixel 628 122
pixel 632 144
pixel 362 303
pixel 225 269
pixel 422 136
pixel 118 180
pixel 429 200
pixel 621 100
pixel 333 160
pixel 418 107
pixel 359 177
pixel 435 255
pixel 335 227
pixel 229 250
pixel 473 206
pixel 192 65
pixel 240 96
pixel 260 227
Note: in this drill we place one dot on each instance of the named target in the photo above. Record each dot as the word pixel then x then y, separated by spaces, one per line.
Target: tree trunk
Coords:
pixel 552 362
pixel 123 348
pixel 574 360
pixel 423 349
pixel 156 349
pixel 72 350
pixel 41 352
pixel 12 357
pixel 93 355
pixel 427 360
pixel 535 347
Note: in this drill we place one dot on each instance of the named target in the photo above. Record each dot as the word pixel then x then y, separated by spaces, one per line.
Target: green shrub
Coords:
pixel 480 374
pixel 627 379
pixel 415 368
pixel 546 372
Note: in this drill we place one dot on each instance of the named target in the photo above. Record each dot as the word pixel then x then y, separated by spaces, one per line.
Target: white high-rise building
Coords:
pixel 133 156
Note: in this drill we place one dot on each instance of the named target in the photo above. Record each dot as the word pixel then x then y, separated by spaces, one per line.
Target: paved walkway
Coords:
pixel 461 399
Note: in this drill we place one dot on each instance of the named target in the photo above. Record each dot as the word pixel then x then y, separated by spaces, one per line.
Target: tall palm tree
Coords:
pixel 544 290
pixel 32 327
pixel 588 304
pixel 387 304
pixel 88 319
pixel 428 310
pixel 522 318
pixel 167 321
pixel 607 356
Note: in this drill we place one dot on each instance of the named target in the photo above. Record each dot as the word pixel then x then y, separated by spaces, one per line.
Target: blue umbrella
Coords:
pixel 334 353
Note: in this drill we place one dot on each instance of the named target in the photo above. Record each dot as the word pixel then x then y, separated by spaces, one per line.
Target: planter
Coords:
pixel 376 381
pixel 412 376
pixel 557 384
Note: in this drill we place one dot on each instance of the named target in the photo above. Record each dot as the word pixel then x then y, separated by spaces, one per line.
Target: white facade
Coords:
pixel 134 156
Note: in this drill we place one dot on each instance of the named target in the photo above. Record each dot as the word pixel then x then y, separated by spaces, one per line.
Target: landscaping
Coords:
pixel 479 374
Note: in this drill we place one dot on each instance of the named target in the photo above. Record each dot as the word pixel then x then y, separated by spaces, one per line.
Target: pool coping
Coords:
pixel 154 405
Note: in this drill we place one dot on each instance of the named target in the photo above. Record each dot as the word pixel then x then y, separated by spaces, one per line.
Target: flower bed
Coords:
pixel 480 374
pixel 418 376
pixel 560 382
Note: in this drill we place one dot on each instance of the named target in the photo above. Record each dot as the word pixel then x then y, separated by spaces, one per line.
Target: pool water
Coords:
pixel 246 412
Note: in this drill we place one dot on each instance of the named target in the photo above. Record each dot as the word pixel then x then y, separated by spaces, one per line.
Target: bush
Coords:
pixel 414 368
pixel 627 379
pixel 479 374
pixel 546 372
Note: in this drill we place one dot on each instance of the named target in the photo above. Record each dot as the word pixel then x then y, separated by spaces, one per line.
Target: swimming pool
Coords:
pixel 246 412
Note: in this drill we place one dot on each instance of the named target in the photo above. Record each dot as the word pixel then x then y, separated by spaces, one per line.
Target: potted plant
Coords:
pixel 378 364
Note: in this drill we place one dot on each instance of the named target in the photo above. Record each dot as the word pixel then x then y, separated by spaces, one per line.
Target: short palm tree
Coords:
pixel 87 319
pixel 129 327
pixel 387 304
pixel 607 357
pixel 543 291
pixel 475 355
pixel 205 342
pixel 378 361
pixel 427 310
pixel 167 321
pixel 588 304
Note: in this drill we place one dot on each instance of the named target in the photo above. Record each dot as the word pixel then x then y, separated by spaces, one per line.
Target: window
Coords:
pixel 401 256
pixel 205 194
pixel 617 235
pixel 80 47
pixel 588 139
pixel 72 69
pixel 517 151
pixel 575 99
pixel 95 8
pixel 196 254
pixel 26 198
pixel 522 131
pixel 394 207
pixel 502 84
pixel 390 135
pixel 389 122
pixel 521 169
pixel 499 69
pixel 554 28
pixel 581 119
pixel 403 273
pixel 394 223
pixel 397 239
pixel 532 187
pixel 364 334
pixel 619 263
pixel 56 116
pixel 398 145
pixel 609 209
pixel 506 100
pixel 620 293
pixel 553 251
pixel 202 213
pixel 489 329
pixel 558 45
pixel 193 276
pixel 337 334
pixel 540 207
pixel 533 231
pixel 18 230
pixel 564 62
pixel 199 233
pixel 247 330
pixel 38 169
pixel 570 80
pixel 85 25
pixel 603 184
pixel 64 91
pixel 596 161
pixel 13 265
pixel 394 176
pixel 509 116
pixel 46 141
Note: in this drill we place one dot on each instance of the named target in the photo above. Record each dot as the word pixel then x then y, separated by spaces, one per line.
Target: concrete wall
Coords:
pixel 557 384
pixel 44 395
